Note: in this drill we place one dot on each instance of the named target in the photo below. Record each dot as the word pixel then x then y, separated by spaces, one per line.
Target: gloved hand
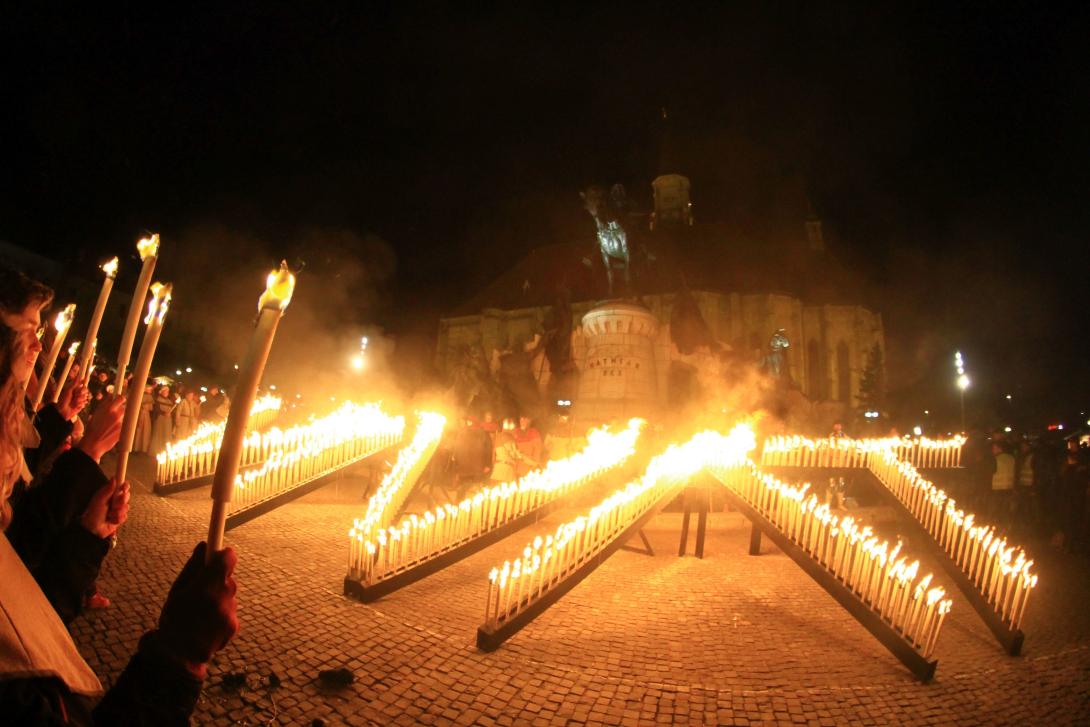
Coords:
pixel 199 618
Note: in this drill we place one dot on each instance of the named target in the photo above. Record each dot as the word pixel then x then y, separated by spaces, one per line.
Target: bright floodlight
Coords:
pixel 918 431
pixel 357 362
pixel 963 382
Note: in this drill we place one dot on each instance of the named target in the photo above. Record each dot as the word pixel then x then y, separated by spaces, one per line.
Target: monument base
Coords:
pixel 618 378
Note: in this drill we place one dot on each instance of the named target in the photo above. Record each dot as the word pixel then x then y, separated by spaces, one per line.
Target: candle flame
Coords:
pixel 110 267
pixel 64 318
pixel 279 287
pixel 73 348
pixel 148 247
pixel 160 301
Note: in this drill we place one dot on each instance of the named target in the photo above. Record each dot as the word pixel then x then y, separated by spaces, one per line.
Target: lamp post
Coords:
pixel 963 383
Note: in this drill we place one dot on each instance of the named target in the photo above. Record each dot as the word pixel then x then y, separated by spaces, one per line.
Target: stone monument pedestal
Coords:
pixel 617 379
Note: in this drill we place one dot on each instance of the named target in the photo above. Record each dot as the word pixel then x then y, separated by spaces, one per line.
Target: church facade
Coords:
pixel 744 292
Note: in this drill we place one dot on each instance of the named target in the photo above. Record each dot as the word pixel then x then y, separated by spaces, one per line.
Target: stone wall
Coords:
pixel 829 343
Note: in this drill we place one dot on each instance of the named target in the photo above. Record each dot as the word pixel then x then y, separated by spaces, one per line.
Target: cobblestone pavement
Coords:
pixel 730 639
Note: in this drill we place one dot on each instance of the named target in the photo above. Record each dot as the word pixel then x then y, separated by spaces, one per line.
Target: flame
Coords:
pixel 427 436
pixel 73 348
pixel 148 247
pixel 160 301
pixel 64 318
pixel 664 473
pixel 110 267
pixel 279 287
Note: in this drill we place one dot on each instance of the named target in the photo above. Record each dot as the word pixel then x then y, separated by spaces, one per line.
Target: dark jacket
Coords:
pixel 46 532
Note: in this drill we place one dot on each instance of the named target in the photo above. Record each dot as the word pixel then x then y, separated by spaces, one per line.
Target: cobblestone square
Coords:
pixel 730 639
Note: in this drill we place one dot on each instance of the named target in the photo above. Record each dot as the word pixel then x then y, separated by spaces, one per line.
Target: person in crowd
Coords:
pixel 99 387
pixel 506 455
pixel 186 415
pixel 142 442
pixel 1026 493
pixel 22 301
pixel 838 430
pixel 529 442
pixel 43 678
pixel 472 453
pixel 213 403
pixel 560 442
pixel 1003 479
pixel 162 420
pixel 1074 481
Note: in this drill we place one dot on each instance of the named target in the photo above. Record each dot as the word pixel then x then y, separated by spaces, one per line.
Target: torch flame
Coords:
pixel 64 318
pixel 149 246
pixel 110 268
pixel 73 348
pixel 279 287
pixel 160 301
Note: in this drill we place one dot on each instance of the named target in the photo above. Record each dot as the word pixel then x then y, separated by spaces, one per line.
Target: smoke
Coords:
pixel 318 354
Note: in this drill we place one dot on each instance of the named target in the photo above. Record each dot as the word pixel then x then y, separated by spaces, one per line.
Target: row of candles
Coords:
pixel 334 441
pixel 196 455
pixel 379 555
pixel 867 565
pixel 797 451
pixel 1001 571
pixel 548 560
pixel 398 482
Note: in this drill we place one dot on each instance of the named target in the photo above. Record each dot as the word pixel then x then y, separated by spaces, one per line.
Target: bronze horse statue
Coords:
pixel 606 209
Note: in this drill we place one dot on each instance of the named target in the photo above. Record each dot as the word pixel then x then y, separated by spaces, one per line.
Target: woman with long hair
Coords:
pixel 43 678
pixel 12 416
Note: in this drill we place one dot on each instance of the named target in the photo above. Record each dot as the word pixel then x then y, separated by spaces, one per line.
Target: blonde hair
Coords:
pixel 11 421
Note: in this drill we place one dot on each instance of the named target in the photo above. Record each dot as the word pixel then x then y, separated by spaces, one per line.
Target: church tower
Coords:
pixel 673 205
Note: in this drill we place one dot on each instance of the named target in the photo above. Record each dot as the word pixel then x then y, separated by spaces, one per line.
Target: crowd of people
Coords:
pixel 168 413
pixel 1030 486
pixel 1026 486
pixel 60 512
pixel 483 450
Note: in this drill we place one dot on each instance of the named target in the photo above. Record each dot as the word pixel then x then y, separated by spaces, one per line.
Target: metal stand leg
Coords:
pixel 685 526
pixel 754 540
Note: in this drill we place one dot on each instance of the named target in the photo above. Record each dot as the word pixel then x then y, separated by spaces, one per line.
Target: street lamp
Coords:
pixel 963 384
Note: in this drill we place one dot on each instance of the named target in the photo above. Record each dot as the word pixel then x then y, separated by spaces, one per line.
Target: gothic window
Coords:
pixel 843 374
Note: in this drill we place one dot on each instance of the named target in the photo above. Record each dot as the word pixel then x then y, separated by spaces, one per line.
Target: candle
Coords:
pixel 157 310
pixel 279 287
pixel 110 268
pixel 149 252
pixel 86 373
pixel 61 325
pixel 66 370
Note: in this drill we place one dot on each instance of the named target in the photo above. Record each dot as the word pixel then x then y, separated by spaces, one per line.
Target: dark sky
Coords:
pixel 945 148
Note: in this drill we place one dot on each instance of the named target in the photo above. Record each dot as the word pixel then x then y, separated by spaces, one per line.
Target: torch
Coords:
pixel 62 323
pixel 110 268
pixel 85 374
pixel 149 251
pixel 270 307
pixel 66 370
pixel 157 311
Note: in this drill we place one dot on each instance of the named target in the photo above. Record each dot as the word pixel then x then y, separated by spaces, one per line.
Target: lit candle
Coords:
pixel 65 371
pixel 279 287
pixel 85 374
pixel 157 310
pixel 149 252
pixel 61 325
pixel 110 268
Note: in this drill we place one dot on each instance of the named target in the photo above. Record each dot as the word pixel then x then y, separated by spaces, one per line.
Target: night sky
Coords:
pixel 945 149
